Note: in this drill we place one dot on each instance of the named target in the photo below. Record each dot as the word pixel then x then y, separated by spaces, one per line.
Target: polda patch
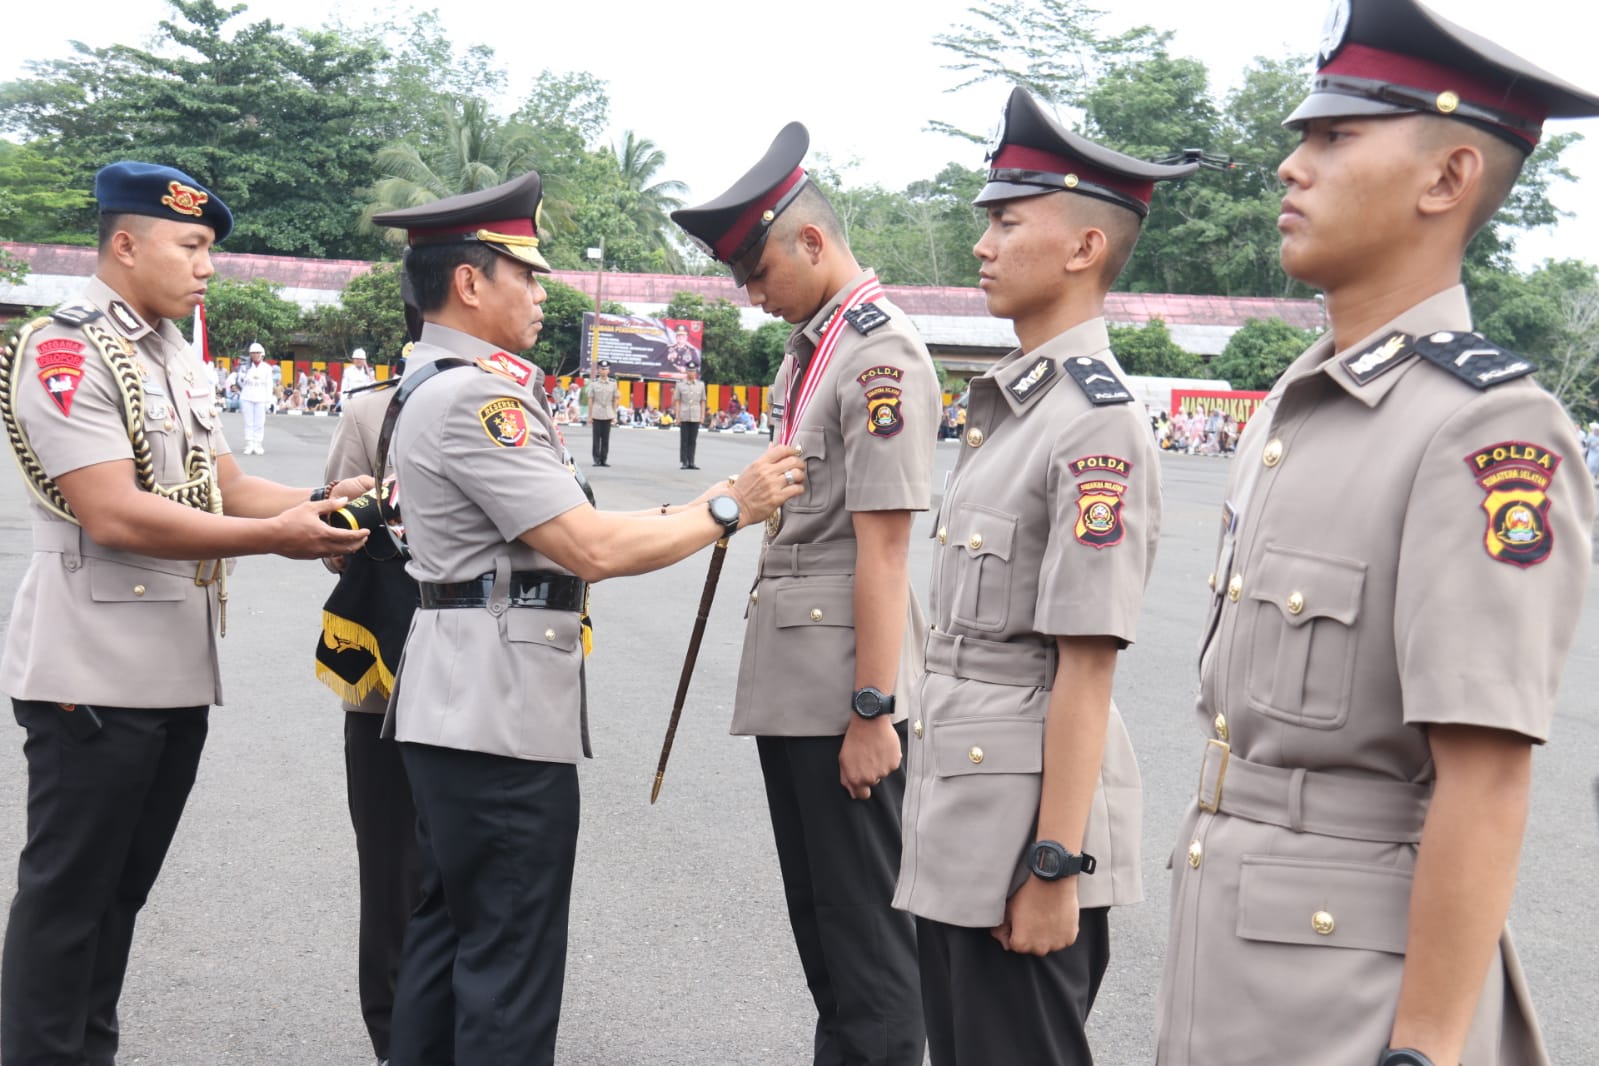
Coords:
pixel 1516 475
pixel 505 421
pixel 1101 464
pixel 1099 513
pixel 883 415
pixel 60 363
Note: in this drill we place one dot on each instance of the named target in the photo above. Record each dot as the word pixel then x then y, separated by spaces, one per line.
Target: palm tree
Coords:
pixel 639 160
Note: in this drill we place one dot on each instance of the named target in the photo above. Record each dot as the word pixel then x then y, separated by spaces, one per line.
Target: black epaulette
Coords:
pixel 866 317
pixel 75 315
pixel 1098 381
pixel 1473 358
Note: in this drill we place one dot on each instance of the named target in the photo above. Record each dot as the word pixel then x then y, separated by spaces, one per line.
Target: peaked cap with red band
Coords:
pixel 1033 154
pixel 733 228
pixel 1385 57
pixel 505 218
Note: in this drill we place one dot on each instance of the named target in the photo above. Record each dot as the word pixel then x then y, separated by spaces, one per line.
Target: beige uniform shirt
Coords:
pixel 353 452
pixel 92 624
pixel 867 437
pixel 1048 529
pixel 689 396
pixel 478 464
pixel 1398 548
pixel 602 400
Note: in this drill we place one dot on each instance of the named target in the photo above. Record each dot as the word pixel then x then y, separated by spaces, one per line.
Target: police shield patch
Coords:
pixel 883 411
pixel 505 421
pixel 60 370
pixel 1099 513
pixel 1516 476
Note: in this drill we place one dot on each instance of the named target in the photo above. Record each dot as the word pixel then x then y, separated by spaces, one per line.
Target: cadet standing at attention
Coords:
pixel 111 657
pixel 488 704
pixel 688 411
pixel 602 412
pixel 1021 774
pixel 834 632
pixel 1403 551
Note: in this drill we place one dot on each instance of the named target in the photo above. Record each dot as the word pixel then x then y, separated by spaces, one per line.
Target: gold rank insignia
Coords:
pixel 185 199
pixel 1516 476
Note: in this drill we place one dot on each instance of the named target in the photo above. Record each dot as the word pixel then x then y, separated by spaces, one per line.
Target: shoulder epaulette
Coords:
pixel 1473 358
pixel 75 315
pixel 866 317
pixel 1098 381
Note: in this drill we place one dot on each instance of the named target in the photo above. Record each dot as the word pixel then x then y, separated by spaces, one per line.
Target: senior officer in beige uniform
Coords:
pixel 1023 800
pixel 834 632
pixel 602 413
pixel 488 703
pixel 110 656
pixel 1404 541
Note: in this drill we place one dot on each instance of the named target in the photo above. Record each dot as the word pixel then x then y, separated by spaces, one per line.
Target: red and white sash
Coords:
pixel 870 289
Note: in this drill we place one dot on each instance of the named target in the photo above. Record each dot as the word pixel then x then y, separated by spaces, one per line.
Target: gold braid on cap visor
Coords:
pixel 490 237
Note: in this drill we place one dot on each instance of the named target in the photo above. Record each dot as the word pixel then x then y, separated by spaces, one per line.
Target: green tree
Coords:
pixel 639 162
pixel 239 312
pixel 369 314
pixel 767 346
pixel 560 347
pixel 39 203
pixel 1149 350
pixel 1257 355
pixel 727 343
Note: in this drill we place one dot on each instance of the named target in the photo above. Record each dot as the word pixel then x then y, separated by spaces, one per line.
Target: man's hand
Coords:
pixel 870 753
pixel 351 487
pixel 1040 918
pixel 767 483
pixel 300 532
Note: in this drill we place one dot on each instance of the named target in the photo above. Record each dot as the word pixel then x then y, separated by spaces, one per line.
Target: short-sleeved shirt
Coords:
pixel 256 382
pixel 602 400
pixel 1399 548
pixel 868 436
pixel 1048 529
pixel 93 624
pixel 478 463
pixel 355 377
pixel 690 399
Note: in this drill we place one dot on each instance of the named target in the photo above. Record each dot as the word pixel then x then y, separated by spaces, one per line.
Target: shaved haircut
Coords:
pixel 1501 162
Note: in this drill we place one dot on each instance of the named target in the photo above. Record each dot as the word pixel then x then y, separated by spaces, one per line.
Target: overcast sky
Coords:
pixel 711 81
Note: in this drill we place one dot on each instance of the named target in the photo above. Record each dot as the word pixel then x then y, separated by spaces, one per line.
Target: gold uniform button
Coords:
pixel 976 541
pixel 549 634
pixel 1221 727
pixel 974 437
pixel 943 534
pixel 1273 453
pixel 755 596
pixel 917 729
pixel 976 755
pixel 1296 603
pixel 167 424
pixel 1447 102
pixel 1323 923
pixel 1235 587
pixel 1211 581
pixel 138 590
pixel 1196 853
pixel 816 614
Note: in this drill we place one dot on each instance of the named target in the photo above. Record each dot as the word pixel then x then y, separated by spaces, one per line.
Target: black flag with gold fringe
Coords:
pixel 364 624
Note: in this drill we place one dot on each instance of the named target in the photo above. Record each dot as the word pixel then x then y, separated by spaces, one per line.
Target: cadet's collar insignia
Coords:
pixel 866 317
pixel 893 373
pixel 60 364
pixel 1025 385
pixel 1098 381
pixel 126 318
pixel 505 421
pixel 1516 476
pixel 1099 513
pixel 75 315
pixel 507 366
pixel 883 415
pixel 185 199
pixel 1380 358
pixel 1101 464
pixel 1478 362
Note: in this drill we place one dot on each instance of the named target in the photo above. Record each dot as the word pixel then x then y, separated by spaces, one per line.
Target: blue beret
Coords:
pixel 128 188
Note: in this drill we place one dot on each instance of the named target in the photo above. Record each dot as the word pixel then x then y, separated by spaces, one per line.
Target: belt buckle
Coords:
pixel 1213 804
pixel 201 578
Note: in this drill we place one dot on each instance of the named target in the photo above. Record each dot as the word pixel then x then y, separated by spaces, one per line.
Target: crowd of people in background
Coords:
pixel 1196 432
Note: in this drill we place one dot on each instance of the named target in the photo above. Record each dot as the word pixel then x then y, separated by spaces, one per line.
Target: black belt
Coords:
pixel 529 588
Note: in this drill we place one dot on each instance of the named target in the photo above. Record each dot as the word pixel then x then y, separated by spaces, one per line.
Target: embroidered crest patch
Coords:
pixel 505 421
pixel 185 199
pixel 1516 477
pixel 1099 513
pixel 508 366
pixel 60 370
pixel 1101 464
pixel 883 418
pixel 893 373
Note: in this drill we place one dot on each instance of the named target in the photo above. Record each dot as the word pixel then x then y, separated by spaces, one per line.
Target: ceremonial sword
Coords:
pixel 718 554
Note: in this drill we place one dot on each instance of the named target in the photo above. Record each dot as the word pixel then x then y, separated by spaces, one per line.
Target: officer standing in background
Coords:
pixel 488 705
pixel 1404 543
pixel 257 380
pixel 834 632
pixel 357 375
pixel 1021 775
pixel 110 656
pixel 602 412
pixel 688 411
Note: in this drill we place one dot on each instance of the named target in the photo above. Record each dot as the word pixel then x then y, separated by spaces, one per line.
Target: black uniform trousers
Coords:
pixel 102 809
pixel 485 952
pixel 688 435
pixel 986 1005
pixel 384 820
pixel 601 428
pixel 840 859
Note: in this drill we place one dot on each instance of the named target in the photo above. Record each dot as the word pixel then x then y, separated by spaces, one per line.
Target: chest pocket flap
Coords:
pixel 1303 634
pixel 983 539
pixel 811 603
pixel 988 746
pixel 1324 904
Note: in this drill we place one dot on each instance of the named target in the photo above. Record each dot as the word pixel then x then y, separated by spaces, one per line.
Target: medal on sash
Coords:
pixel 794 411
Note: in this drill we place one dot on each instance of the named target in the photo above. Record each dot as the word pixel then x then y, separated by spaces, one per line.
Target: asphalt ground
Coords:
pixel 680 948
